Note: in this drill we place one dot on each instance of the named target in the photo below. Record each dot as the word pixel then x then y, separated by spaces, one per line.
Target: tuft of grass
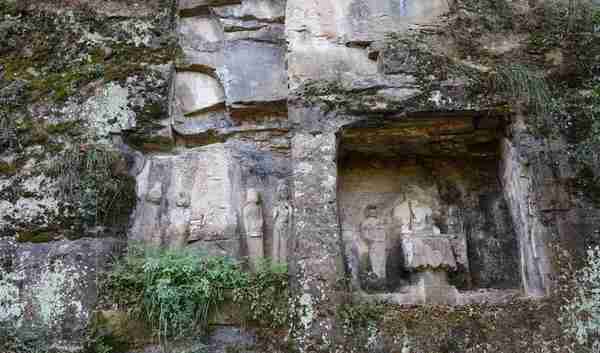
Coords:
pixel 522 85
pixel 86 181
pixel 7 169
pixel 176 292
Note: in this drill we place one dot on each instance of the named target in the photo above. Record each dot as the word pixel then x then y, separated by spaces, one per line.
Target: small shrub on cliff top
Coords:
pixel 177 291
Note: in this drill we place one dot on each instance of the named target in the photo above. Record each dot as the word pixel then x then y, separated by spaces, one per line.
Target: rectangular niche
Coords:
pixel 423 215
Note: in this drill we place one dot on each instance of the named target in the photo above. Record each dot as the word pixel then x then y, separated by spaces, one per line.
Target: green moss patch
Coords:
pixel 37 236
pixel 518 326
pixel 7 169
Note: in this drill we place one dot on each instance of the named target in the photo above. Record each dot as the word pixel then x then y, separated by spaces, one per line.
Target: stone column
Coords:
pixel 317 266
pixel 517 185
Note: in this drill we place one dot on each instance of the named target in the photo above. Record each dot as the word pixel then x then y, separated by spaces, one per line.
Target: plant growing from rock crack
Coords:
pixel 522 85
pixel 86 182
pixel 587 151
pixel 177 291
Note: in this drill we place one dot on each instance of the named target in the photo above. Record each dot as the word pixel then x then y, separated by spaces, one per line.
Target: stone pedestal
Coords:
pixel 428 252
pixel 430 257
pixel 433 288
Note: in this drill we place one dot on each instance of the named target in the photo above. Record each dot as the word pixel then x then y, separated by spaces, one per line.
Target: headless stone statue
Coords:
pixel 427 253
pixel 372 230
pixel 422 244
pixel 178 231
pixel 414 216
pixel 254 226
pixel 282 215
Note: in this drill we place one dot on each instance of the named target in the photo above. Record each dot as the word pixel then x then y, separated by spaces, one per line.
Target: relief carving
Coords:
pixel 282 220
pixel 254 227
pixel 372 232
pixel 155 194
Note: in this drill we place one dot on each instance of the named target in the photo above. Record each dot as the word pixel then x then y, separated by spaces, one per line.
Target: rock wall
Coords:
pixel 347 103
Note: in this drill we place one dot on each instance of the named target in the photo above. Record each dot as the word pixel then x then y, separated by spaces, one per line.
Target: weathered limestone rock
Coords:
pixel 53 287
pixel 261 10
pixel 197 203
pixel 355 103
pixel 199 31
pixel 319 59
pixel 318 32
pixel 201 39
pixel 197 92
pixel 191 7
pixel 266 82
pixel 533 235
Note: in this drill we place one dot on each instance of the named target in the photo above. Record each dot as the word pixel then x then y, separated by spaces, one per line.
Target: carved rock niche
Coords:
pixel 423 216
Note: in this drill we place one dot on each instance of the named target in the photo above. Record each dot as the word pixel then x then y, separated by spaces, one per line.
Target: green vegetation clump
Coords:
pixel 7 168
pixel 23 340
pixel 91 181
pixel 523 85
pixel 177 292
pixel 588 152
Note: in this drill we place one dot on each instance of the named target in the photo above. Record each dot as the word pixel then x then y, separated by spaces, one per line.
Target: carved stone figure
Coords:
pixel 254 226
pixel 183 200
pixel 282 220
pixel 423 244
pixel 178 230
pixel 372 231
pixel 414 215
pixel 155 194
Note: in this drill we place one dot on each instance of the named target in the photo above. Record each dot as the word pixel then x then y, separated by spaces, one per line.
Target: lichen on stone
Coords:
pixel 11 306
pixel 55 294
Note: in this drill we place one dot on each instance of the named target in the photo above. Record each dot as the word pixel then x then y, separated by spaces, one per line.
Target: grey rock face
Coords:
pixel 254 72
pixel 197 92
pixel 338 101
pixel 53 287
pixel 533 235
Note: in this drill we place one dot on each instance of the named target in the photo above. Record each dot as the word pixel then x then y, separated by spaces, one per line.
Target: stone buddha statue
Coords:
pixel 427 253
pixel 413 213
pixel 423 244
pixel 372 231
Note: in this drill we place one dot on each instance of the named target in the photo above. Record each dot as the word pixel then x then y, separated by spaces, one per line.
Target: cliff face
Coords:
pixel 467 122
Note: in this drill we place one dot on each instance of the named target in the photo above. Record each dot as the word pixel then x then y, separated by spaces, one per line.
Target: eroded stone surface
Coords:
pixel 261 10
pixel 197 92
pixel 54 286
pixel 254 72
pixel 196 204
pixel 366 118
